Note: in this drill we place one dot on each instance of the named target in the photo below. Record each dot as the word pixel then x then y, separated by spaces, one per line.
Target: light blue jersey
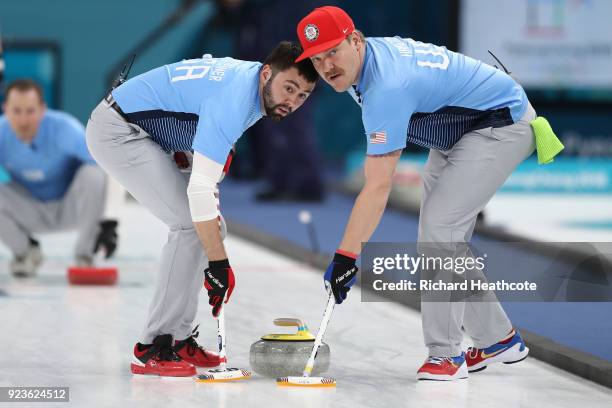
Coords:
pixel 47 166
pixel 202 104
pixel 424 94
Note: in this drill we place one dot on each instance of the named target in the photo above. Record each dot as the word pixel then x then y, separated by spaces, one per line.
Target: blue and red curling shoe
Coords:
pixel 443 368
pixel 508 351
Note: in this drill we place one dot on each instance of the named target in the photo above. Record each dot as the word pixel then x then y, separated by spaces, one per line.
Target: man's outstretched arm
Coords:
pixel 372 200
pixel 203 193
pixel 367 211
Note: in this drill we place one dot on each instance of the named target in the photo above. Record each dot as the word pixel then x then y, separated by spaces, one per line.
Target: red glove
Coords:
pixel 219 281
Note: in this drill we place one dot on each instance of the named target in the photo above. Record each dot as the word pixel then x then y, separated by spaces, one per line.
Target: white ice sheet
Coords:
pixel 53 334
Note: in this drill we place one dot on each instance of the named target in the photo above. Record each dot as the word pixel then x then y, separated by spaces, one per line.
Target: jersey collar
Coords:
pixel 366 63
pixel 256 111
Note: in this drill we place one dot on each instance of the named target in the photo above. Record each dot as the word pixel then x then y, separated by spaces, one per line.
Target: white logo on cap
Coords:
pixel 311 32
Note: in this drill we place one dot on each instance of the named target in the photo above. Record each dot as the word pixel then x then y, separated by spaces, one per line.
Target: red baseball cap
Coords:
pixel 322 29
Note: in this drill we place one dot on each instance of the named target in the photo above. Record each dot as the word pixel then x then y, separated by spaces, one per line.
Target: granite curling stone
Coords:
pixel 282 355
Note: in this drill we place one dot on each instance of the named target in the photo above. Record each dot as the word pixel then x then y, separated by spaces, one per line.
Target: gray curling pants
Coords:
pixel 151 176
pixel 82 207
pixel 457 184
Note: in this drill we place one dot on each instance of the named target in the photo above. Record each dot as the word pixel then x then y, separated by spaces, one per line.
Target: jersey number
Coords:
pixel 191 71
pixel 439 58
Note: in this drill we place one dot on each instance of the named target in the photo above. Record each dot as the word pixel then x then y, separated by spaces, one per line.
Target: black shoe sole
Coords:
pixel 505 362
pixel 517 361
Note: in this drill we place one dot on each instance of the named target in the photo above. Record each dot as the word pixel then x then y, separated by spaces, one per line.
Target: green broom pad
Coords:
pixel 548 144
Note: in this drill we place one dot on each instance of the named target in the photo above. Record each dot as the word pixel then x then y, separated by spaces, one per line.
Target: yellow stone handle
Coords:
pixel 302 333
pixel 288 321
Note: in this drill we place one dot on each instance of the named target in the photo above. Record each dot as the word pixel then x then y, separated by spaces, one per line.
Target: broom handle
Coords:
pixel 319 339
pixel 221 338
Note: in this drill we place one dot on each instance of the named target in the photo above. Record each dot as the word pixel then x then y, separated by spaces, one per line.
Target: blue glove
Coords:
pixel 340 275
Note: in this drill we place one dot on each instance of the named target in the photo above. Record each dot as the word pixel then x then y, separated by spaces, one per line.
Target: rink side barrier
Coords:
pixel 497 233
pixel 542 348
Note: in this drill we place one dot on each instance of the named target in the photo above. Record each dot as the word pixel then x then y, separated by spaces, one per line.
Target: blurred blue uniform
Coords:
pixel 202 104
pixel 425 94
pixel 46 167
pixel 55 184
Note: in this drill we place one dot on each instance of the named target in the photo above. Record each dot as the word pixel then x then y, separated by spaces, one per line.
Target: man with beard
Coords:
pixel 144 134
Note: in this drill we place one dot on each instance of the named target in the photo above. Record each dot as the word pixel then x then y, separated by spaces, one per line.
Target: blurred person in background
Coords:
pixel 55 184
pixel 285 154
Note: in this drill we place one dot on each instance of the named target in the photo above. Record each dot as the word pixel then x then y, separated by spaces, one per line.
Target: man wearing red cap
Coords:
pixel 475 121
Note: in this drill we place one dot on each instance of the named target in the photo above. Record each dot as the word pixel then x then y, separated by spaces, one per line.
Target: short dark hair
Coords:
pixel 283 57
pixel 23 85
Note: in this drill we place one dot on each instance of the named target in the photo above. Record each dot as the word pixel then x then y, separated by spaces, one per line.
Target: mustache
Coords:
pixel 282 105
pixel 330 74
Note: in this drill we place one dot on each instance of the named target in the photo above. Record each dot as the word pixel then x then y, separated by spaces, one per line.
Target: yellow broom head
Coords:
pixel 306 382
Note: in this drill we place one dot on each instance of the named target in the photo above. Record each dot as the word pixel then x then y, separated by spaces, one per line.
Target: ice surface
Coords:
pixel 53 334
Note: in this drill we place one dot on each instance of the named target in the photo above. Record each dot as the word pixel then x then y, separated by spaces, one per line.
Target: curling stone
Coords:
pixel 282 355
pixel 89 275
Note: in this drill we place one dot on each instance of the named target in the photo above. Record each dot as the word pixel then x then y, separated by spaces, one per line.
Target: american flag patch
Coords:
pixel 378 137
